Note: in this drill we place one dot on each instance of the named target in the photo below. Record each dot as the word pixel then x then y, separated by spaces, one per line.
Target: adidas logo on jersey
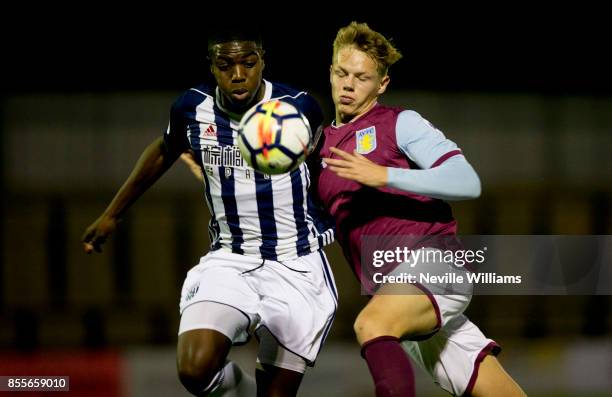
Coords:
pixel 211 130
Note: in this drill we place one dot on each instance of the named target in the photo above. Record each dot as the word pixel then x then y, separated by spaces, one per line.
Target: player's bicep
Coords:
pixel 421 142
pixel 175 138
pixel 312 111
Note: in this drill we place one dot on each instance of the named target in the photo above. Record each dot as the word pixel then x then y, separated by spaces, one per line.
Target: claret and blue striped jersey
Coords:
pixel 266 216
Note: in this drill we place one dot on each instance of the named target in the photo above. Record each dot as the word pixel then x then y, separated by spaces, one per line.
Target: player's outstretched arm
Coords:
pixel 152 164
pixel 188 160
pixel 454 179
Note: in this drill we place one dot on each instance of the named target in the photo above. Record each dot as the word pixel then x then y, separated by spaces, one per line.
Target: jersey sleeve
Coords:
pixel 322 220
pixel 454 179
pixel 311 109
pixel 422 142
pixel 175 137
pixel 444 172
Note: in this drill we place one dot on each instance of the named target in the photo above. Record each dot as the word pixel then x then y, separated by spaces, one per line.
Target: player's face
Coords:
pixel 237 67
pixel 356 83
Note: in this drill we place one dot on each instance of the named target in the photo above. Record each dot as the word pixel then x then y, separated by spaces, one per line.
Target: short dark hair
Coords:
pixel 224 34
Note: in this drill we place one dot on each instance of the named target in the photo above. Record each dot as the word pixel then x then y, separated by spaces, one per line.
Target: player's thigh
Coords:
pixel 494 381
pixel 272 353
pixel 279 370
pixel 409 314
pixel 277 382
pixel 207 331
pixel 298 304
pixel 201 353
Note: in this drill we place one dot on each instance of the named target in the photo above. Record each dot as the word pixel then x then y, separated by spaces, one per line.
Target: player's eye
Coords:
pixel 340 73
pixel 250 64
pixel 223 67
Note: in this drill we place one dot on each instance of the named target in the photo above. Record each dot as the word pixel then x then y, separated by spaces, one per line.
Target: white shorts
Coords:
pixel 453 353
pixel 292 301
pixel 232 323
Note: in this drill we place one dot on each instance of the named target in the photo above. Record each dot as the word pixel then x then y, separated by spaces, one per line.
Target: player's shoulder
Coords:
pixel 305 102
pixel 411 126
pixel 281 90
pixel 292 94
pixel 382 113
pixel 191 98
pixel 408 118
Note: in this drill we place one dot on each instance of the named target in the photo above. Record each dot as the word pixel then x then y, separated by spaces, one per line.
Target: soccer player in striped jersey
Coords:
pixel 386 173
pixel 266 273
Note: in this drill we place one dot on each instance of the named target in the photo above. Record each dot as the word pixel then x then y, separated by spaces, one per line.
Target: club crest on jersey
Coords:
pixel 366 140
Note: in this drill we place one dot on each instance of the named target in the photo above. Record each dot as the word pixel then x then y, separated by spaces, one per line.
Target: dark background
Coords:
pixel 511 49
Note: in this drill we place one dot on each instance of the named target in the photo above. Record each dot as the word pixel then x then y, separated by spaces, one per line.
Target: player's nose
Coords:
pixel 238 74
pixel 348 83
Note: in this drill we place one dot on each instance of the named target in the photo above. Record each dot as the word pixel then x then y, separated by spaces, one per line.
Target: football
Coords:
pixel 274 137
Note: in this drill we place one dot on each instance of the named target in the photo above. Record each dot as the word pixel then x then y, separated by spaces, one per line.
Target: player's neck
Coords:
pixel 342 119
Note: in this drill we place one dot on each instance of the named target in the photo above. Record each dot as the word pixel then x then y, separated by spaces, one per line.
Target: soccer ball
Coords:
pixel 274 137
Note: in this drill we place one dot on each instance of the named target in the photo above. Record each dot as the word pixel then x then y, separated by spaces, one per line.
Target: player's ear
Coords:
pixel 210 64
pixel 261 56
pixel 209 59
pixel 384 82
pixel 331 71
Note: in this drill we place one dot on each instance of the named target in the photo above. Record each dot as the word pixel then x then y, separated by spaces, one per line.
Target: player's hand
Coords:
pixel 97 233
pixel 357 168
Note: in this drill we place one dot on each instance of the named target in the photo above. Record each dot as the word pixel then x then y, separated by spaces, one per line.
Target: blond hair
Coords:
pixel 374 44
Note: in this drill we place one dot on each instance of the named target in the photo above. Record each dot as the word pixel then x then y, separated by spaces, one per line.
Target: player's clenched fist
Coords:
pixel 95 235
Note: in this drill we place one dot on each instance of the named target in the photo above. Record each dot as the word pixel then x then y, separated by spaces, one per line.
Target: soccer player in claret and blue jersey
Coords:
pixel 266 273
pixel 386 172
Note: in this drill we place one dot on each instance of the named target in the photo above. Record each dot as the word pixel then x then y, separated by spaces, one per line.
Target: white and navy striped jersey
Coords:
pixel 266 216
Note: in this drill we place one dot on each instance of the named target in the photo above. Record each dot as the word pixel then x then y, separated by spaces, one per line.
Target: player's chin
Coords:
pixel 348 108
pixel 241 96
pixel 347 113
pixel 242 101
